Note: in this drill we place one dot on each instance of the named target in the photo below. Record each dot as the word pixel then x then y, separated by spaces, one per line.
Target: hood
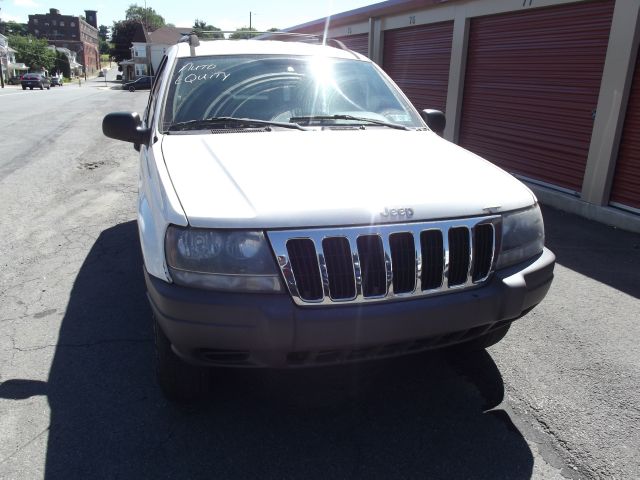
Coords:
pixel 293 179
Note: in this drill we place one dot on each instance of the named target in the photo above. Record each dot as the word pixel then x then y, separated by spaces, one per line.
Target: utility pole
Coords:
pixel 4 53
pixel 2 68
pixel 249 35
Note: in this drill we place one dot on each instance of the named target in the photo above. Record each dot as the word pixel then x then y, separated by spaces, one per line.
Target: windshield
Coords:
pixel 278 88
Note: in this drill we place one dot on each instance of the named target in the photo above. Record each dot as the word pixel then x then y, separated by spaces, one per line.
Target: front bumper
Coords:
pixel 269 330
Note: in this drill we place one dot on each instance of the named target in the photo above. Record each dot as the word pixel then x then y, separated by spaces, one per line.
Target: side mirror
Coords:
pixel 435 120
pixel 125 126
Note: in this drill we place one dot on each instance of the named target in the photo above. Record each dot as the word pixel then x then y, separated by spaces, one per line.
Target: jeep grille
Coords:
pixel 385 262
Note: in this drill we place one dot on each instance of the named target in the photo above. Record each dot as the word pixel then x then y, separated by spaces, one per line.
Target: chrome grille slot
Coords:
pixel 374 274
pixel 432 259
pixel 337 256
pixel 459 252
pixel 403 261
pixel 385 262
pixel 304 263
pixel 483 250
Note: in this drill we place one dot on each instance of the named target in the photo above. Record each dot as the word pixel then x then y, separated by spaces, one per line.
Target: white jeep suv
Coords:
pixel 295 209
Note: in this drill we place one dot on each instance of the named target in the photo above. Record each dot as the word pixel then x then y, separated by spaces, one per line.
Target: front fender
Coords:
pixel 158 206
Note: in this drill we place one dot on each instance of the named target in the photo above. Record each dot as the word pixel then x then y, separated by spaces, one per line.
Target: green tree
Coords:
pixel 122 34
pixel 200 26
pixel 103 32
pixel 35 53
pixel 14 28
pixel 105 47
pixel 147 16
pixel 62 64
pixel 244 32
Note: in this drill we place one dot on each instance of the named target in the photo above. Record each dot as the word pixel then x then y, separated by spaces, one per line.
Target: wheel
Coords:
pixel 132 89
pixel 24 88
pixel 49 88
pixel 486 340
pixel 30 88
pixel 179 381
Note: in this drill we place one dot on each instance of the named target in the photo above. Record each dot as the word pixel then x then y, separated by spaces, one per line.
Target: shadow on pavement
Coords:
pixel 423 416
pixel 606 254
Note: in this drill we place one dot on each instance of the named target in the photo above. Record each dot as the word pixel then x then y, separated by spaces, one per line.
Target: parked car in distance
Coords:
pixel 35 80
pixel 15 80
pixel 142 83
pixel 57 81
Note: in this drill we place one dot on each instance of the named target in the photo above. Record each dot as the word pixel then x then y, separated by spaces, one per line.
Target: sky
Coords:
pixel 226 15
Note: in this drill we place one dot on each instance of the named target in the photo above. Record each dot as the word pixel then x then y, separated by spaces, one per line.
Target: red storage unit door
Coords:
pixel 417 59
pixel 358 43
pixel 625 190
pixel 531 89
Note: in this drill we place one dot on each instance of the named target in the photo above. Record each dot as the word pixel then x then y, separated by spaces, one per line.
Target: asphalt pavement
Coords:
pixel 557 398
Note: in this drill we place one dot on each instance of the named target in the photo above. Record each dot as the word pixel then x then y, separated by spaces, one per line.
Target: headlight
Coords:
pixel 522 236
pixel 221 260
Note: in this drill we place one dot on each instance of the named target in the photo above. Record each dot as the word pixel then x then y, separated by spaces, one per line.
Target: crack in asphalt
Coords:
pixel 541 435
pixel 83 345
pixel 25 445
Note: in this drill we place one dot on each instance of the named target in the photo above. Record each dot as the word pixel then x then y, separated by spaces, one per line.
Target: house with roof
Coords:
pixel 137 64
pixel 147 50
pixel 160 40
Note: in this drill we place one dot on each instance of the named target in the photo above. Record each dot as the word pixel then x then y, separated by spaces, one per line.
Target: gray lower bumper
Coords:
pixel 269 330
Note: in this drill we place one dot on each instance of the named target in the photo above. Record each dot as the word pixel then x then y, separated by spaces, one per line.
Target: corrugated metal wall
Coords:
pixel 358 43
pixel 531 89
pixel 418 58
pixel 626 181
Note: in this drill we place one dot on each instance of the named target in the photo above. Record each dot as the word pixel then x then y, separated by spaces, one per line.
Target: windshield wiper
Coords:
pixel 311 118
pixel 236 122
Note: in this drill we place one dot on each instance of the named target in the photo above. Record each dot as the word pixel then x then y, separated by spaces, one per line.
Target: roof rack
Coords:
pixel 193 39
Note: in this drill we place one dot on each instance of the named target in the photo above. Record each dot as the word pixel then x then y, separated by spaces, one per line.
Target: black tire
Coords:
pixel 24 88
pixel 486 340
pixel 30 88
pixel 179 381
pixel 132 89
pixel 48 88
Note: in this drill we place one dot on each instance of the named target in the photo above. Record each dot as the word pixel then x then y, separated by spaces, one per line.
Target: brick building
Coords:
pixel 68 31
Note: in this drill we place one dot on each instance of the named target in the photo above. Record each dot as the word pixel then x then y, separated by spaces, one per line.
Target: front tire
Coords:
pixel 24 88
pixel 179 381
pixel 132 89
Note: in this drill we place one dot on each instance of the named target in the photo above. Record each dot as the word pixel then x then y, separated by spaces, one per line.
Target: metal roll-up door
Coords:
pixel 358 43
pixel 531 89
pixel 417 59
pixel 625 191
